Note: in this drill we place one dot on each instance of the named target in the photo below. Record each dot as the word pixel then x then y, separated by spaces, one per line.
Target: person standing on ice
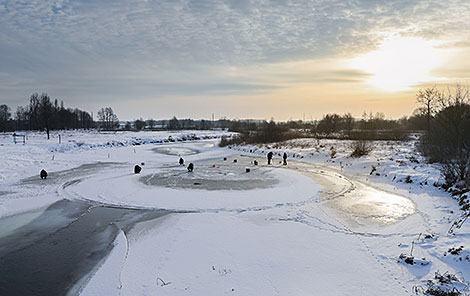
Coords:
pixel 285 158
pixel 270 157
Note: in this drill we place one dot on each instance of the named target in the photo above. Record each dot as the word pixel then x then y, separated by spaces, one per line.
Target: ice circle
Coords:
pixel 233 173
pixel 214 185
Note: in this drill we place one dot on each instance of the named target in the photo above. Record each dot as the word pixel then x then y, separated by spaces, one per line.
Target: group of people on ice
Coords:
pixel 137 168
pixel 190 165
pixel 270 157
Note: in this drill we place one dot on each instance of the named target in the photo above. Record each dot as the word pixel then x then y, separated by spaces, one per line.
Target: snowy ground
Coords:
pixel 322 226
pixel 77 148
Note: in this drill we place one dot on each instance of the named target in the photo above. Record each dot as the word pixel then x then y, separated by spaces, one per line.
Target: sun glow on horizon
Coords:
pixel 401 62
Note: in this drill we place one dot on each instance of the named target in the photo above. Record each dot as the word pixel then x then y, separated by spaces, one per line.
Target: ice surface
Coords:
pixel 215 174
pixel 326 226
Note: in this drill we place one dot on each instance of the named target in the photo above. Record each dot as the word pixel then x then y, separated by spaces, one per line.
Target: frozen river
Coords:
pixel 54 251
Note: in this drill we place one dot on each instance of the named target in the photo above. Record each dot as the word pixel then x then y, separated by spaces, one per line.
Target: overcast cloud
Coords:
pixel 95 53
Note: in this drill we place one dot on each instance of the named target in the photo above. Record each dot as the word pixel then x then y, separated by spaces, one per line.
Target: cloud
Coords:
pixel 184 46
pixel 326 76
pixel 457 44
pixel 210 31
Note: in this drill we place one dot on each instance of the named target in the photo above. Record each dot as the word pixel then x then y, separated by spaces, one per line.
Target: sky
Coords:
pixel 261 59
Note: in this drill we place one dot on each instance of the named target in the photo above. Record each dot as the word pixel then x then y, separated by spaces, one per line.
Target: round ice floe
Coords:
pixel 225 187
pixel 213 176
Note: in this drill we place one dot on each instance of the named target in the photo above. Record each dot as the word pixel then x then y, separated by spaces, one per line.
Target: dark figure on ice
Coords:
pixel 190 167
pixel 43 174
pixel 285 158
pixel 270 157
pixel 181 161
pixel 137 169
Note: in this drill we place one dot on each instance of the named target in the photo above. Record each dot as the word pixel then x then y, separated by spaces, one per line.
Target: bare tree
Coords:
pixel 174 124
pixel 330 123
pixel 107 118
pixel 33 111
pixel 4 117
pixel 455 96
pixel 151 123
pixel 46 110
pixel 21 117
pixel 270 132
pixel 348 121
pixel 139 124
pixel 428 99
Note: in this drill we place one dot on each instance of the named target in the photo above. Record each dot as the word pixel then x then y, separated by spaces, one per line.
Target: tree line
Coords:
pixel 173 124
pixel 43 113
pixel 333 126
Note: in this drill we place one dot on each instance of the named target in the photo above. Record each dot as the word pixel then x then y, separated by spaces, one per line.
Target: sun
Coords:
pixel 400 62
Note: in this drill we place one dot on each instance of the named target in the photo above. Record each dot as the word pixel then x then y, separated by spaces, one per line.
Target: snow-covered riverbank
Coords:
pixel 20 161
pixel 327 226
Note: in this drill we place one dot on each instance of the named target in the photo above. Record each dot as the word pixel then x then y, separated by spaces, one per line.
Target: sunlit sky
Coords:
pixel 234 58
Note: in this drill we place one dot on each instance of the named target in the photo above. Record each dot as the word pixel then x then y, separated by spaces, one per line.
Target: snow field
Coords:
pixel 396 168
pixel 284 240
pixel 247 254
pixel 78 148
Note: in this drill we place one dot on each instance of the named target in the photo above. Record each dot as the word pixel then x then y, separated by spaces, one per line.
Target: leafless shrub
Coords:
pixel 457 172
pixel 360 148
pixel 448 140
pixel 223 142
pixel 446 284
pixel 333 152
pixel 440 291
pixel 267 132
pixel 397 134
pixel 234 140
